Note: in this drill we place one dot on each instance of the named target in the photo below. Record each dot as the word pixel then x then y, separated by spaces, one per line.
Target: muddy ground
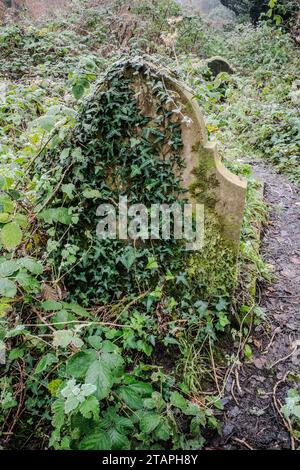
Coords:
pixel 254 394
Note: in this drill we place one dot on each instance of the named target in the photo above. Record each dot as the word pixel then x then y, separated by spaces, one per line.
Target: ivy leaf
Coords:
pixel 129 257
pixel 91 193
pixel 11 236
pixel 8 401
pixel 221 305
pixel 97 441
pixel 8 288
pixel 68 189
pixel 152 264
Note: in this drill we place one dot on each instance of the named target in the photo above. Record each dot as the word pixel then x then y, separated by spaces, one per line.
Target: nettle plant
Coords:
pixel 104 407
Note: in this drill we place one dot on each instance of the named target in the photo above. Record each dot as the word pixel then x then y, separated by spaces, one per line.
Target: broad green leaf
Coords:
pixel 95 341
pixel 163 431
pixel 11 236
pixel 90 408
pixel 46 361
pixel 77 309
pixel 29 283
pixel 91 193
pixel 130 396
pixel 77 365
pixel 33 266
pixel 51 305
pixel 5 306
pixel 60 319
pixel 7 288
pixel 100 374
pixel 46 122
pixel 59 413
pixel 248 351
pixel 149 421
pixel 62 338
pixel 96 441
pixel 71 404
pixel 118 440
pixel 6 204
pixel 178 401
pixel 143 388
pixel 7 268
pixel 4 217
pixel 124 424
pixel 78 90
pixel 59 214
pixel 21 219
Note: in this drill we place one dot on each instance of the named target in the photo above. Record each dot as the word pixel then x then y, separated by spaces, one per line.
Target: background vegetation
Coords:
pixel 93 370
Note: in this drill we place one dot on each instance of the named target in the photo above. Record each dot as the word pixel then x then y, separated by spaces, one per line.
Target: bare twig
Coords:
pixel 243 442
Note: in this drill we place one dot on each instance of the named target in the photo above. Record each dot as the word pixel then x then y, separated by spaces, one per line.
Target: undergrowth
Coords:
pixel 93 360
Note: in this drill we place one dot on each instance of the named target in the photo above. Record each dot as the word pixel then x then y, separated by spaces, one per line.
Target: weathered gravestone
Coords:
pixel 142 134
pixel 204 175
pixel 218 65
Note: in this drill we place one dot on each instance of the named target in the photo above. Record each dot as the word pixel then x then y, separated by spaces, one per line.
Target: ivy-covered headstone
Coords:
pixel 139 137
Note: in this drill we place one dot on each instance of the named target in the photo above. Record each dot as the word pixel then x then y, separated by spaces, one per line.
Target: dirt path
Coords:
pixel 251 419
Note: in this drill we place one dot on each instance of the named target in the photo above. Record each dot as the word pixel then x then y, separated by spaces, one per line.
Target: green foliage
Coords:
pixel 109 269
pixel 258 107
pixel 291 412
pixel 93 376
pixel 115 410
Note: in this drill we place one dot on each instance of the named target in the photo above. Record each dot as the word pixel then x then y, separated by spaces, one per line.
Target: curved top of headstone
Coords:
pixel 206 178
pixel 218 64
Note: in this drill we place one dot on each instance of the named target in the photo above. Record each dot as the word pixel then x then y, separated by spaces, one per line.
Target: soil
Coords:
pixel 255 393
